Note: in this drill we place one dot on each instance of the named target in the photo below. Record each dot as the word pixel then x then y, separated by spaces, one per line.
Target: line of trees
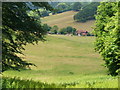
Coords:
pixel 68 30
pixel 55 30
pixel 68 6
pixel 61 7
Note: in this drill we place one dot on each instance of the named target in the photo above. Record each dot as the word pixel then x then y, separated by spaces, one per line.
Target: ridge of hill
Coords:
pixel 66 19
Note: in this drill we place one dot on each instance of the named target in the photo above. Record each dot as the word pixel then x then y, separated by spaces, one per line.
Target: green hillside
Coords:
pixel 64 59
pixel 66 19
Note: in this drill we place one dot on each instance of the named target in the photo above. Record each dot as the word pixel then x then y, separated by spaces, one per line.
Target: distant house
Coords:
pixel 82 32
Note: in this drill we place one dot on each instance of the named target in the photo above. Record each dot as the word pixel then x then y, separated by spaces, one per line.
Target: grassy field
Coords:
pixel 66 60
pixel 66 19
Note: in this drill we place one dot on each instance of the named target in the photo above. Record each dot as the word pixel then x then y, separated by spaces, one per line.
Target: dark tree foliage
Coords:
pixel 107 32
pixel 46 27
pixel 87 12
pixel 54 4
pixel 77 6
pixel 63 31
pixel 84 4
pixel 19 29
pixel 0 37
pixel 62 6
pixel 54 29
pixel 44 13
pixel 68 30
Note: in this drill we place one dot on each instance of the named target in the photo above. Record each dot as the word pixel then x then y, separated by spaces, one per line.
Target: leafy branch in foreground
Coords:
pixel 19 29
pixel 107 32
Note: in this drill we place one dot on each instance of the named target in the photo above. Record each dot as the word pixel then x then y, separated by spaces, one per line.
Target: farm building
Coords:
pixel 82 32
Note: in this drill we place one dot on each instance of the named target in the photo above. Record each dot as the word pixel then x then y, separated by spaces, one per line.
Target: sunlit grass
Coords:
pixel 61 56
pixel 65 60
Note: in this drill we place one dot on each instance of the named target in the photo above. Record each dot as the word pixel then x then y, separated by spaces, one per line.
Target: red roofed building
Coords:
pixel 82 32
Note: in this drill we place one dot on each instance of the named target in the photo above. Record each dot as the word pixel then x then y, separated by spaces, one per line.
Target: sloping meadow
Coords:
pixel 62 62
